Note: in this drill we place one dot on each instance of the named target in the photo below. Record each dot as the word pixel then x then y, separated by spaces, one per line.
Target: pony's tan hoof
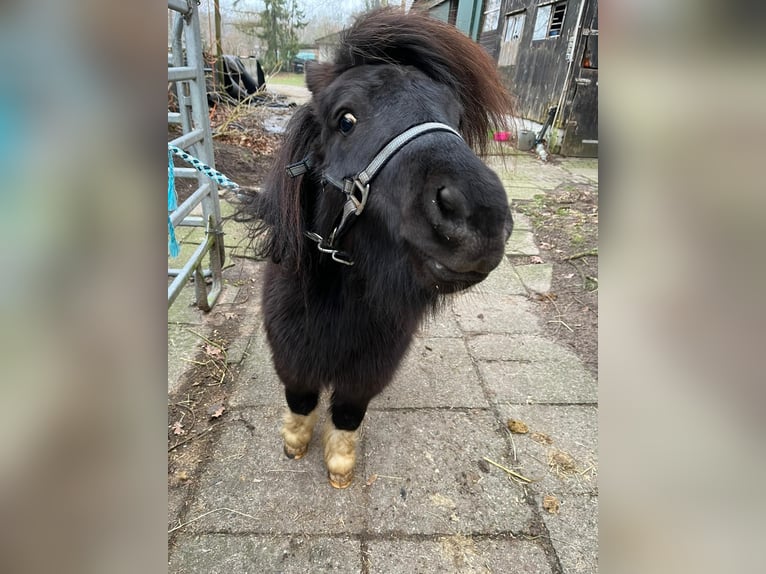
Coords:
pixel 340 480
pixel 296 433
pixel 295 453
pixel 339 455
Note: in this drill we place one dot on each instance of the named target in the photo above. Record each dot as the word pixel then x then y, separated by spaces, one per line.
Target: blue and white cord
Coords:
pixel 205 169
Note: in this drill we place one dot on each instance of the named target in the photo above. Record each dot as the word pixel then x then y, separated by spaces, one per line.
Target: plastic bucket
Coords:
pixel 526 140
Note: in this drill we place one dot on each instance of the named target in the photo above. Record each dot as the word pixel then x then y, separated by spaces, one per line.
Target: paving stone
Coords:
pixel 533 180
pixel 182 348
pixel 236 351
pixel 221 554
pixel 521 347
pixel 437 372
pixel 503 162
pixel 515 191
pixel 583 167
pixel 184 309
pixel 526 171
pixel 443 324
pixel 539 382
pixel 521 243
pixel 536 278
pixel 250 474
pixel 565 462
pixel 456 554
pixel 574 533
pixel 258 383
pixel 522 222
pixel 430 480
pixel 178 498
pixel 484 313
pixel 503 280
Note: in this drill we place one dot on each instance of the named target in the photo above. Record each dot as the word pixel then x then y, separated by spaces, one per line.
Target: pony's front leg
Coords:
pixel 340 437
pixel 298 422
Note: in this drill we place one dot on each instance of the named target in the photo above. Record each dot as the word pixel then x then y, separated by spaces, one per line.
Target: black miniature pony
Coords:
pixel 376 208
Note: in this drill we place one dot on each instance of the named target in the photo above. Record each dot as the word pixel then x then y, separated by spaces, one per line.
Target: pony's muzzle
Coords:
pixel 451 202
pixel 471 233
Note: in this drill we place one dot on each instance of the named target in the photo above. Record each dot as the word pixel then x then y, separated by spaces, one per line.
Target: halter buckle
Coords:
pixel 364 190
pixel 336 255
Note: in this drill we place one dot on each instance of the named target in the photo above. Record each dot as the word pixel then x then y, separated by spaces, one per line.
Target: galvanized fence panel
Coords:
pixel 186 71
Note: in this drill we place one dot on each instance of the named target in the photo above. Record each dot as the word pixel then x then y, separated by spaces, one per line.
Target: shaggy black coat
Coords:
pixel 349 327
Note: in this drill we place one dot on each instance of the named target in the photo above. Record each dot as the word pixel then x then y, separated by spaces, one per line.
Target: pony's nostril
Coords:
pixel 450 201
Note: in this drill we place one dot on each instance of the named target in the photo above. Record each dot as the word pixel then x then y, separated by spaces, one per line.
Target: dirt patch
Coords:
pixel 245 140
pixel 196 412
pixel 244 151
pixel 565 224
pixel 199 408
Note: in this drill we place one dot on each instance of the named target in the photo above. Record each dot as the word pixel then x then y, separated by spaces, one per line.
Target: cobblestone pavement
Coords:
pixel 432 492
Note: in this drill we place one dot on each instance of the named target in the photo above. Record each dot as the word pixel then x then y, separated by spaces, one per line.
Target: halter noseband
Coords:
pixel 357 188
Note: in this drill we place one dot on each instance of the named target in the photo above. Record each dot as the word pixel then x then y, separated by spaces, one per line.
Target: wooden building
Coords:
pixel 465 15
pixel 547 55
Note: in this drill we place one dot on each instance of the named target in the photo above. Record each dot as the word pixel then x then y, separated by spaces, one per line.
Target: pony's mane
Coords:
pixel 439 50
pixel 383 36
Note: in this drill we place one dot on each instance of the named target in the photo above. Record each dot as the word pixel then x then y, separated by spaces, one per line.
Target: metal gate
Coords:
pixel 186 71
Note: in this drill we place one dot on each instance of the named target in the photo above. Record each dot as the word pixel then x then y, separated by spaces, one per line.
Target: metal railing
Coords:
pixel 186 71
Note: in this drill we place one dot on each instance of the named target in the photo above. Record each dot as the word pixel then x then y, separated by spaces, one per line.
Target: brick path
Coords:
pixel 424 498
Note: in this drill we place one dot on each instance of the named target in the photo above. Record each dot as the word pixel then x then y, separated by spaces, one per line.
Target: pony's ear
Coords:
pixel 319 75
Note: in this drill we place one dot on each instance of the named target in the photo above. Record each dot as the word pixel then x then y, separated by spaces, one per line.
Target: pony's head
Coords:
pixel 384 169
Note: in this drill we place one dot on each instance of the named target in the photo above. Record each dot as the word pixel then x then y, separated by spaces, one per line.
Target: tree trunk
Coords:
pixel 218 45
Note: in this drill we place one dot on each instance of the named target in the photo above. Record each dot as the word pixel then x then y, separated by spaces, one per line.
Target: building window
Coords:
pixel 446 11
pixel 549 20
pixel 509 48
pixel 514 25
pixel 491 15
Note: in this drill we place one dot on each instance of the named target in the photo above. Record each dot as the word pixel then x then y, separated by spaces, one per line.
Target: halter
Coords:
pixel 357 188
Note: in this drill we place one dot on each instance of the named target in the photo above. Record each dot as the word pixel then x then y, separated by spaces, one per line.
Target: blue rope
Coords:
pixel 172 242
pixel 216 176
pixel 173 247
pixel 172 197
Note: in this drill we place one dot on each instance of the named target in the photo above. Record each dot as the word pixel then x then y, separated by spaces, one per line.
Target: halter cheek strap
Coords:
pixel 357 188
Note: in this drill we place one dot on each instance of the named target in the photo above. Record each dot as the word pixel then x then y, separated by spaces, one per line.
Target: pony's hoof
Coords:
pixel 296 433
pixel 339 455
pixel 295 453
pixel 340 480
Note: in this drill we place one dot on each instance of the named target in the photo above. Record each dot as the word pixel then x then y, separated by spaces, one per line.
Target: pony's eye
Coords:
pixel 346 123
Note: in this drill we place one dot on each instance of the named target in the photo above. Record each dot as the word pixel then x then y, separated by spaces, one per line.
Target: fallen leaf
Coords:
pixel 372 479
pixel 230 315
pixel 551 504
pixel 540 437
pixel 535 260
pixel 561 461
pixel 216 410
pixel 545 246
pixel 182 475
pixel 178 428
pixel 213 351
pixel 517 427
